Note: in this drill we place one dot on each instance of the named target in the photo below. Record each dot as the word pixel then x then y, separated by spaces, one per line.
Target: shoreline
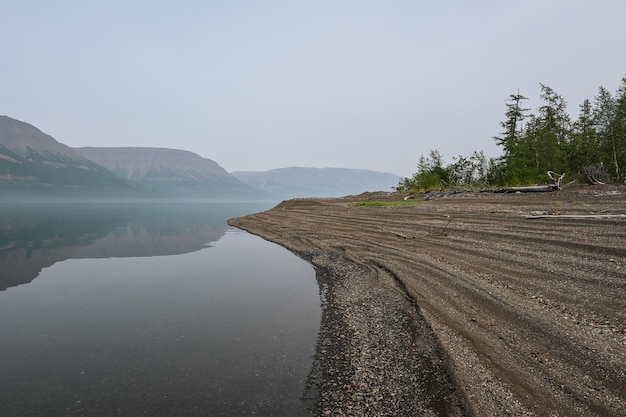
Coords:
pixel 375 353
pixel 478 311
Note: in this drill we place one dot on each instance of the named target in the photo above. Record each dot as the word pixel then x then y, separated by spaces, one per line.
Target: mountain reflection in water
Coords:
pixel 33 237
pixel 115 310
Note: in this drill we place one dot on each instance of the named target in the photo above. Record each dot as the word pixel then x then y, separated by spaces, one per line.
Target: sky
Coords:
pixel 257 85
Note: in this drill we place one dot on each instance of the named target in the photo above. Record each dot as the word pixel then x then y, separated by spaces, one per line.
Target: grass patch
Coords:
pixel 384 203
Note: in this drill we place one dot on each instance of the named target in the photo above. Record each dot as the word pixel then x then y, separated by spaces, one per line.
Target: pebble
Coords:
pixel 376 352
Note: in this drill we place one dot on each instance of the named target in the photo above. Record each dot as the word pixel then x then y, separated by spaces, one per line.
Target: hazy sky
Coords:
pixel 256 85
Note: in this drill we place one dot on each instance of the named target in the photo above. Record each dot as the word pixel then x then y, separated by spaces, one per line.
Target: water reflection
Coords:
pixel 33 237
pixel 132 314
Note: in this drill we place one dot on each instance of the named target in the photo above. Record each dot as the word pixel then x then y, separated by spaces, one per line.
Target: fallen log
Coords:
pixel 596 174
pixel 576 216
pixel 529 189
pixel 555 186
pixel 594 181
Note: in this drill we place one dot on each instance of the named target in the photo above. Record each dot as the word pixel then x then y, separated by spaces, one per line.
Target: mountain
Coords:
pixel 34 164
pixel 172 173
pixel 294 182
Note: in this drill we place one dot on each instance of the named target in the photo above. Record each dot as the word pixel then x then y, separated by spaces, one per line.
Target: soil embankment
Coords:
pixel 462 305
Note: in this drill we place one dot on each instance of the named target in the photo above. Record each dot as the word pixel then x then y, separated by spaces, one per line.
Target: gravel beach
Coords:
pixel 478 304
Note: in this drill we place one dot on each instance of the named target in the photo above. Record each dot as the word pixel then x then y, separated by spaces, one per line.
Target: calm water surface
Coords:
pixel 158 310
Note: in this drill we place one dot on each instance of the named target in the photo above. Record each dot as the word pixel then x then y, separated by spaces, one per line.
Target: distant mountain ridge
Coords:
pixel 294 182
pixel 32 162
pixel 34 166
pixel 171 172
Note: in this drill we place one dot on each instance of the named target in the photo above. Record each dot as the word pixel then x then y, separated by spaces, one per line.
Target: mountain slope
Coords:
pixel 171 172
pixel 317 182
pixel 34 163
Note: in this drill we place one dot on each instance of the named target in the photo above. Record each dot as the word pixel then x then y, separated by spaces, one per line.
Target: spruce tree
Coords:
pixel 553 131
pixel 583 152
pixel 604 116
pixel 511 135
pixel 618 144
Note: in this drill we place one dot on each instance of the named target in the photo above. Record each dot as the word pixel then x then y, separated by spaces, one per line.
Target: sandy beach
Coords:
pixel 472 303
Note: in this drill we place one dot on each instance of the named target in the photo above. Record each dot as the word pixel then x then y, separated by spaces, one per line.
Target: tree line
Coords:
pixel 591 147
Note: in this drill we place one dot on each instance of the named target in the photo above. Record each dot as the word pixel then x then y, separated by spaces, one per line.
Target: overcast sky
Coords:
pixel 256 85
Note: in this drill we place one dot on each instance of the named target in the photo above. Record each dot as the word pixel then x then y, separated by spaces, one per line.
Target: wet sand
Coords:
pixel 462 304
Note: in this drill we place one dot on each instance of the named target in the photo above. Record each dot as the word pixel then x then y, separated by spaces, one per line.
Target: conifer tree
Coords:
pixel 605 114
pixel 552 131
pixel 618 143
pixel 533 144
pixel 510 137
pixel 583 152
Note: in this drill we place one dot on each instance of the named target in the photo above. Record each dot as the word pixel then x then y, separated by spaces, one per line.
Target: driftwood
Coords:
pixel 596 174
pixel 593 180
pixel 402 235
pixel 555 186
pixel 556 179
pixel 576 216
pixel 530 189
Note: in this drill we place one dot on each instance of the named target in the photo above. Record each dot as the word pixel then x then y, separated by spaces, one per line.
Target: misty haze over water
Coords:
pixel 134 309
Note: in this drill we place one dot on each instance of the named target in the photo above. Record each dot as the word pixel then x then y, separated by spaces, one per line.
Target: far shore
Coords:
pixel 474 304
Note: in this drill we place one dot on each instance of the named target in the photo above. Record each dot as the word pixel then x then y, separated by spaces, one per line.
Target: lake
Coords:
pixel 151 309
